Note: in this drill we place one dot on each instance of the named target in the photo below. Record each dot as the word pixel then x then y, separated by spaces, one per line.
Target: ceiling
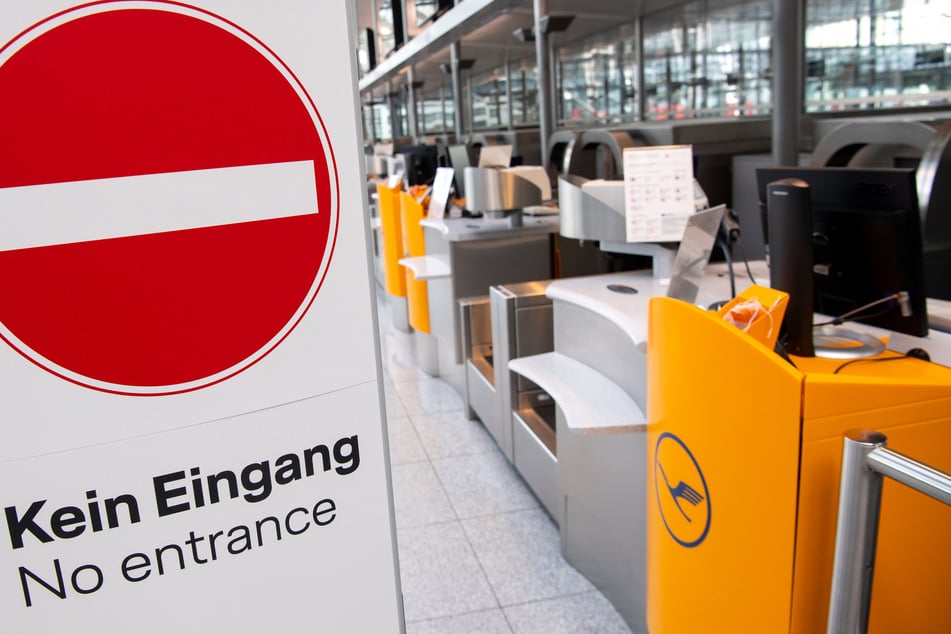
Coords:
pixel 493 44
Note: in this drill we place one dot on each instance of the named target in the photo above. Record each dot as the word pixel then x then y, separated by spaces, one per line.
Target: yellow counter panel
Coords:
pixel 417 295
pixel 749 447
pixel 388 200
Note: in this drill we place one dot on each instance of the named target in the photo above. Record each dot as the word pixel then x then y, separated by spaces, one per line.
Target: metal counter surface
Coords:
pixel 629 310
pixel 486 228
pixel 592 403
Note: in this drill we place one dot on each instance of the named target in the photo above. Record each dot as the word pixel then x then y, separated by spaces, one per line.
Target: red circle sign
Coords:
pixel 167 193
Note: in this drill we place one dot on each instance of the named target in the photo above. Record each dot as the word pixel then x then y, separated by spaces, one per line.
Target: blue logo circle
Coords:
pixel 682 494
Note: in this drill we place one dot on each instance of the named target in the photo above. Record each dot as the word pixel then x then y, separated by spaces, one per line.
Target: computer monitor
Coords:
pixel 459 159
pixel 866 242
pixel 421 162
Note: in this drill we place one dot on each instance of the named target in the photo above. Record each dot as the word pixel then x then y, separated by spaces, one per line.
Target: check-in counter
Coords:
pixel 514 320
pixel 744 460
pixel 464 257
pixel 394 278
pixel 413 246
pixel 597 375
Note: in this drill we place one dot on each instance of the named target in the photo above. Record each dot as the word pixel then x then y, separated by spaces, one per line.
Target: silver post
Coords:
pixel 856 533
pixel 457 97
pixel 544 77
pixel 411 112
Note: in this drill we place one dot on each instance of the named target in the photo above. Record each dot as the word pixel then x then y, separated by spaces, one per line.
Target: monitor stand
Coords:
pixel 833 342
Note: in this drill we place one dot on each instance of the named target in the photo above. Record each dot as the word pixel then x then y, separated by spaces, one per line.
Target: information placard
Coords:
pixel 442 187
pixel 191 400
pixel 658 192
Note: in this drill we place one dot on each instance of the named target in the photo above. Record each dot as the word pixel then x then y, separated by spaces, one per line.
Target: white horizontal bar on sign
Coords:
pixel 79 211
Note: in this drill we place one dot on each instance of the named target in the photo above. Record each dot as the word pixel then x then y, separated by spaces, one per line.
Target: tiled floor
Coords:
pixel 477 552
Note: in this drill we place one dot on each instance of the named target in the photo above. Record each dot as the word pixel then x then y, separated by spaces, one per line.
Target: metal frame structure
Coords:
pixel 865 459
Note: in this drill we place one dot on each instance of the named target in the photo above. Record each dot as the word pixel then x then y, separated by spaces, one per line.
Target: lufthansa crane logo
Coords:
pixel 682 494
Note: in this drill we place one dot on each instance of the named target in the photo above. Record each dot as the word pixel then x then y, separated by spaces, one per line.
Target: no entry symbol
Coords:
pixel 168 198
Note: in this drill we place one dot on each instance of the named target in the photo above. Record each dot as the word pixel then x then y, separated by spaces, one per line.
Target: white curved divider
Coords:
pixel 591 402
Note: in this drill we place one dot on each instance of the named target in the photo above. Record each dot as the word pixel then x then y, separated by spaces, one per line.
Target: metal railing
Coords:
pixel 865 459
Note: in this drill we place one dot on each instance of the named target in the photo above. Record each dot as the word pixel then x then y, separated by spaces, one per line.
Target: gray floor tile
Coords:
pixel 455 575
pixel 452 434
pixel 589 612
pixel 400 367
pixel 418 497
pixel 394 405
pixel 521 556
pixel 488 622
pixel 440 574
pixel 483 484
pixel 429 395
pixel 404 442
pixel 398 357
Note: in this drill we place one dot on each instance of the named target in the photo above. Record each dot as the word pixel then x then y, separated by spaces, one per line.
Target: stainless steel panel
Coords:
pixel 584 217
pixel 537 465
pixel 478 265
pixel 565 155
pixel 534 328
pixel 399 313
pixel 427 355
pixel 609 146
pixel 484 401
pixel 533 399
pixel 505 301
pixel 502 303
pixel 528 293
pixel 603 529
pixel 443 320
pixel 475 323
pixel 490 189
pixel 598 342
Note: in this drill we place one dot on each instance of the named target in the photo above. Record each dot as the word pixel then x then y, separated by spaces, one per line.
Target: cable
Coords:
pixel 780 349
pixel 728 256
pixel 901 297
pixel 838 322
pixel 877 360
pixel 746 262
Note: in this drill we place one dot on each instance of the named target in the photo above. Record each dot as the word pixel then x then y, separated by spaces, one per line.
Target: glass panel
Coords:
pixel 596 78
pixel 386 28
pixel 380 116
pixel 863 54
pixel 428 9
pixel 524 94
pixel 425 10
pixel 706 60
pixel 431 107
pixel 363 51
pixel 489 101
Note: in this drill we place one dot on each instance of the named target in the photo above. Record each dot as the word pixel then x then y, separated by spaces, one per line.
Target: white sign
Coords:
pixel 658 192
pixel 193 437
pixel 442 186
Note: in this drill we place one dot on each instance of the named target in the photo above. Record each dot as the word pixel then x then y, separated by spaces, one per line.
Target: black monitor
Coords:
pixel 421 162
pixel 459 159
pixel 866 242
